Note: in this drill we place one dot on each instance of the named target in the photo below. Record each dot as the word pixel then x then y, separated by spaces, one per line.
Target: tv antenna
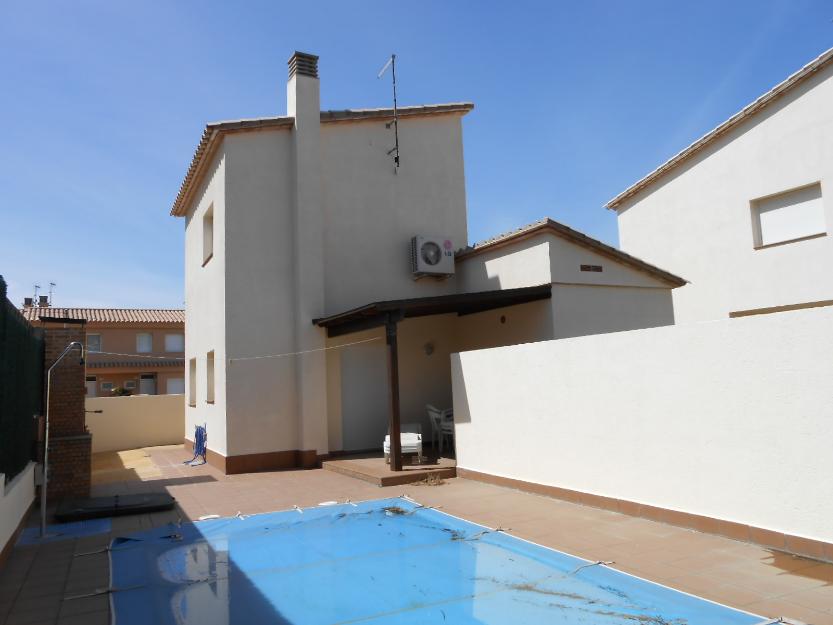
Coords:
pixel 395 123
pixel 52 286
pixel 35 297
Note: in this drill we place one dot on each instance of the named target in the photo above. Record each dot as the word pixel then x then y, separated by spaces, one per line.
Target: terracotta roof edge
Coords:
pixel 214 130
pixel 576 237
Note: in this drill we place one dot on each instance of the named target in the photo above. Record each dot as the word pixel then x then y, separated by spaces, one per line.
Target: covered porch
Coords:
pixel 368 378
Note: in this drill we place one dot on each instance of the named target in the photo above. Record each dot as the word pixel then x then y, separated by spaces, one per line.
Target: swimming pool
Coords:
pixel 384 561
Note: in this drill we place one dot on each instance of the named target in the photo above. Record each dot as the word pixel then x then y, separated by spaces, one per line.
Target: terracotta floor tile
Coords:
pixel 654 571
pixel 820 599
pixel 774 608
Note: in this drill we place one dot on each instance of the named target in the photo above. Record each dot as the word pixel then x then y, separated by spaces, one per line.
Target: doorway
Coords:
pixel 364 403
pixel 147 384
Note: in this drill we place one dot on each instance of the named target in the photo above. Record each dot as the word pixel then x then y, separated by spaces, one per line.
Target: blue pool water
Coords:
pixel 386 561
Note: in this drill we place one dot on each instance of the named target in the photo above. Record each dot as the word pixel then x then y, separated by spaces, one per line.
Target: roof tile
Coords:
pixel 107 315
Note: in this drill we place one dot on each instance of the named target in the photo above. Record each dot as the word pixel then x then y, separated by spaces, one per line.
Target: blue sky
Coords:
pixel 104 102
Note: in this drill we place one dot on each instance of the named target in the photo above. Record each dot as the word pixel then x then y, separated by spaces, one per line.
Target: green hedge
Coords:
pixel 21 386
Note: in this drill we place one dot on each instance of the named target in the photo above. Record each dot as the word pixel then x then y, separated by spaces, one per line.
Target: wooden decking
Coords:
pixel 373 468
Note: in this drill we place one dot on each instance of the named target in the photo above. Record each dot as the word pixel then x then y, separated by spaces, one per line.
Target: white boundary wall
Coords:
pixel 15 499
pixel 136 421
pixel 731 419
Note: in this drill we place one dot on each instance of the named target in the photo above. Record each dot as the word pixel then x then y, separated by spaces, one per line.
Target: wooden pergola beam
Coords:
pixel 391 327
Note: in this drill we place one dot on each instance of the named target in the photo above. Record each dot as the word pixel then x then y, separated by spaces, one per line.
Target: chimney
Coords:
pixel 43 301
pixel 27 302
pixel 304 64
pixel 303 104
pixel 302 93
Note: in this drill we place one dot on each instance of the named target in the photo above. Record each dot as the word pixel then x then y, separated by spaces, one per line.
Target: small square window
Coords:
pixel 175 343
pixel 93 342
pixel 144 343
pixel 130 385
pixel 791 216
pixel 107 387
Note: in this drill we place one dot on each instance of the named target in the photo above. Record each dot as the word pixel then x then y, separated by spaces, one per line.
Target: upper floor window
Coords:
pixel 93 342
pixel 174 343
pixel 209 377
pixel 192 382
pixel 790 216
pixel 144 343
pixel 208 234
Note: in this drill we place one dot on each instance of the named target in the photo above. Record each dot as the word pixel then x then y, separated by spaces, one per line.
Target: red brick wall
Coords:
pixel 69 466
pixel 69 442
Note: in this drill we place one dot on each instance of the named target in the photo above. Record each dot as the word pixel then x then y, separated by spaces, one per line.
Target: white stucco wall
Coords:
pixel 205 306
pixel 728 419
pixel 260 293
pixel 372 210
pixel 696 221
pixel 15 499
pixel 618 298
pixel 580 310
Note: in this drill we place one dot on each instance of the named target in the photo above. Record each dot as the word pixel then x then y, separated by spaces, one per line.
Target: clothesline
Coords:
pixel 231 360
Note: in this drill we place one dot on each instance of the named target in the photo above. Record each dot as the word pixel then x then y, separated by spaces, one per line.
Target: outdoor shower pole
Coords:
pixel 46 433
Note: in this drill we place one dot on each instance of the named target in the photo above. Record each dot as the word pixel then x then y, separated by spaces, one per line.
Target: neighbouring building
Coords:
pixel 140 350
pixel 744 212
pixel 327 285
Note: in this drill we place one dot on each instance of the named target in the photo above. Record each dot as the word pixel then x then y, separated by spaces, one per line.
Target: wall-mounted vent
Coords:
pixel 432 256
pixel 593 268
pixel 303 64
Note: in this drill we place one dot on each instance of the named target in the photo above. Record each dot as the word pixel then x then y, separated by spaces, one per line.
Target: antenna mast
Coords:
pixel 51 289
pixel 395 149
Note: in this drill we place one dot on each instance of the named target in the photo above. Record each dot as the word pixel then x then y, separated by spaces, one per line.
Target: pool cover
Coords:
pixel 387 561
pixel 64 531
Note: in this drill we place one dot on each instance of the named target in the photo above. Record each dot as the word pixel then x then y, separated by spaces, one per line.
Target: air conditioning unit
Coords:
pixel 432 256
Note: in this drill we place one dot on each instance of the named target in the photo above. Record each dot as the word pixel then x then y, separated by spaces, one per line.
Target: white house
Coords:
pixel 308 331
pixel 743 213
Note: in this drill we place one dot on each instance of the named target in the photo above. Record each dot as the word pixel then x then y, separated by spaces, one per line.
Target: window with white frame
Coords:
pixel 93 342
pixel 790 216
pixel 144 343
pixel 106 387
pixel 130 385
pixel 175 343
pixel 192 382
pixel 208 234
pixel 209 377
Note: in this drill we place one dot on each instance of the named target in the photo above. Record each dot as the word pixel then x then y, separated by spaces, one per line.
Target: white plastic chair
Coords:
pixel 435 417
pixel 410 439
pixel 446 428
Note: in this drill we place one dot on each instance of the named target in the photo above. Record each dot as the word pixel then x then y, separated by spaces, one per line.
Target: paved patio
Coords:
pixel 36 581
